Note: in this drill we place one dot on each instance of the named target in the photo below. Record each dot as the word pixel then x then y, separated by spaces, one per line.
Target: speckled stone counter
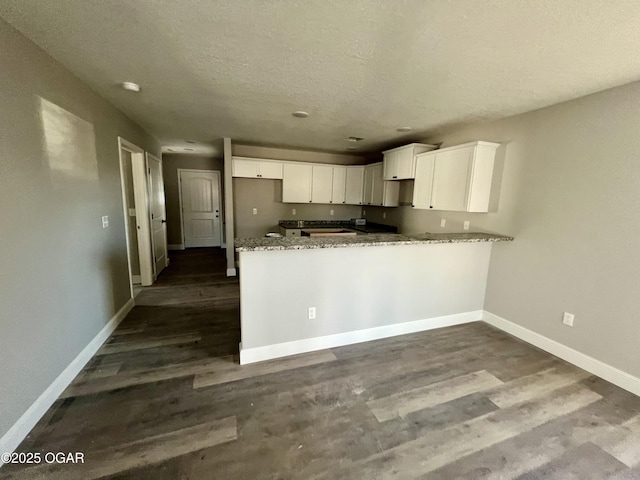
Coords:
pixel 367 228
pixel 372 240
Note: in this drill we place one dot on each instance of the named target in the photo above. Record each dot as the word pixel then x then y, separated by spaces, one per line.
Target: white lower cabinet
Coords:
pixel 455 178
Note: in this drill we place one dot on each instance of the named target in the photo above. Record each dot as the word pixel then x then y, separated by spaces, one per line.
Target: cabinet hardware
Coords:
pixel 395 176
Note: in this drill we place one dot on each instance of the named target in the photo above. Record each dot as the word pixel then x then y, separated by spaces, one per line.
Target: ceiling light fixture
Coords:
pixel 300 114
pixel 404 129
pixel 130 86
pixel 354 139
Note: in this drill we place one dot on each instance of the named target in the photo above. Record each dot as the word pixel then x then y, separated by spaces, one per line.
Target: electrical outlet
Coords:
pixel 443 222
pixel 293 211
pixel 384 214
pixel 466 224
pixel 364 213
pixel 312 313
pixel 132 212
pixel 255 211
pixel 331 212
pixel 567 318
pixel 105 221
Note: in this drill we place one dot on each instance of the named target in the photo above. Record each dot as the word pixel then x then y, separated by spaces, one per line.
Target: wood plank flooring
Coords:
pixel 165 398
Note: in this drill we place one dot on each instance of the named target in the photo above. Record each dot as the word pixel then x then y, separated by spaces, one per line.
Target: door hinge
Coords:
pixel 149 169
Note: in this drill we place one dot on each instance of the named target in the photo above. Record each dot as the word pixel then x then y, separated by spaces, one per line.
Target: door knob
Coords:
pixel 164 221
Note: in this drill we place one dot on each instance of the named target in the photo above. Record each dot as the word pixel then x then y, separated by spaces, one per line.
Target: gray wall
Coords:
pixel 266 195
pixel 171 162
pixel 62 277
pixel 570 194
pixel 356 288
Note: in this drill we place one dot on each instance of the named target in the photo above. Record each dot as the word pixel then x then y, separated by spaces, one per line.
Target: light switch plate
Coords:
pixel 105 221
pixel 255 211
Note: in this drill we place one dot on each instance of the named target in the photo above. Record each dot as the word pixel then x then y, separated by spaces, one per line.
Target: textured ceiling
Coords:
pixel 238 68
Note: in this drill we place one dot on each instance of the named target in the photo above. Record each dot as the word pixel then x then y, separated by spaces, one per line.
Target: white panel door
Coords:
pixel 321 183
pixel 158 214
pixel 200 194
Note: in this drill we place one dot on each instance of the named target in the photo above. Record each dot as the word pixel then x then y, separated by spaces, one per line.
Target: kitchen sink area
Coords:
pixel 328 228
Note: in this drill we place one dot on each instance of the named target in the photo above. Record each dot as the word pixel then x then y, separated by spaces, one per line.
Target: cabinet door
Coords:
pixel 451 176
pixel 296 183
pixel 367 196
pixel 390 166
pixel 338 185
pixel 405 164
pixel 377 188
pixel 245 168
pixel 270 170
pixel 321 184
pixel 391 195
pixel 423 185
pixel 354 185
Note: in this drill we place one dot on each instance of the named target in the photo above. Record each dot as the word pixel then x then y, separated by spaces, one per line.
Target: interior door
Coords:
pixel 200 196
pixel 158 214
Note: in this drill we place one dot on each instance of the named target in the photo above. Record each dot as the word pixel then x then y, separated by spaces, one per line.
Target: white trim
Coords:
pixel 258 354
pixel 175 246
pixel 132 149
pixel 180 211
pixel 590 364
pixel 231 272
pixel 17 433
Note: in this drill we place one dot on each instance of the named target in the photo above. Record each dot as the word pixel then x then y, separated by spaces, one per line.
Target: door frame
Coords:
pixel 196 170
pixel 141 200
pixel 166 248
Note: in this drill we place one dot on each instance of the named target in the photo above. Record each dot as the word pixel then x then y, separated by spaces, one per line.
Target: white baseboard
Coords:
pixel 579 359
pixel 175 246
pixel 268 352
pixel 17 433
pixel 231 272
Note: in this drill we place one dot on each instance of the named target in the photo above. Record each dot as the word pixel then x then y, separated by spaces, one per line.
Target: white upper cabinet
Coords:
pixel 321 184
pixel 400 163
pixel 296 183
pixel 257 168
pixel 377 191
pixel 338 185
pixel 455 178
pixel 354 183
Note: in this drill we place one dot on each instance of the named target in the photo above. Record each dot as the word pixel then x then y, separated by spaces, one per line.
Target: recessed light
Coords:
pixel 130 86
pixel 404 129
pixel 190 141
pixel 300 114
pixel 354 139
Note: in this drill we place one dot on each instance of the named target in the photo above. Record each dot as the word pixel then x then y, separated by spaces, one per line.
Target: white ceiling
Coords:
pixel 238 68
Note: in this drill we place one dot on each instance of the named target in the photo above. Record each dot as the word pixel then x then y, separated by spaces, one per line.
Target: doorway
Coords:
pixel 143 205
pixel 199 192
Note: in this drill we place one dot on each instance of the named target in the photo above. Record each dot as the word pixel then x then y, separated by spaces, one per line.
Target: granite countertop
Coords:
pixel 368 228
pixel 372 240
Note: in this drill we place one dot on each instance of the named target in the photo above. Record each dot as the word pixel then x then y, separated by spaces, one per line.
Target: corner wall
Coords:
pixel 62 276
pixel 570 195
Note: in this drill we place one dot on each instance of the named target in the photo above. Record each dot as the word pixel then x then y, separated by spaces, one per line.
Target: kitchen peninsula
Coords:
pixel 304 294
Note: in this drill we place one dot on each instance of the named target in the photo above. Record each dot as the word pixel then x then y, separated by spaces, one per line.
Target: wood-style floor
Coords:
pixel 165 399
